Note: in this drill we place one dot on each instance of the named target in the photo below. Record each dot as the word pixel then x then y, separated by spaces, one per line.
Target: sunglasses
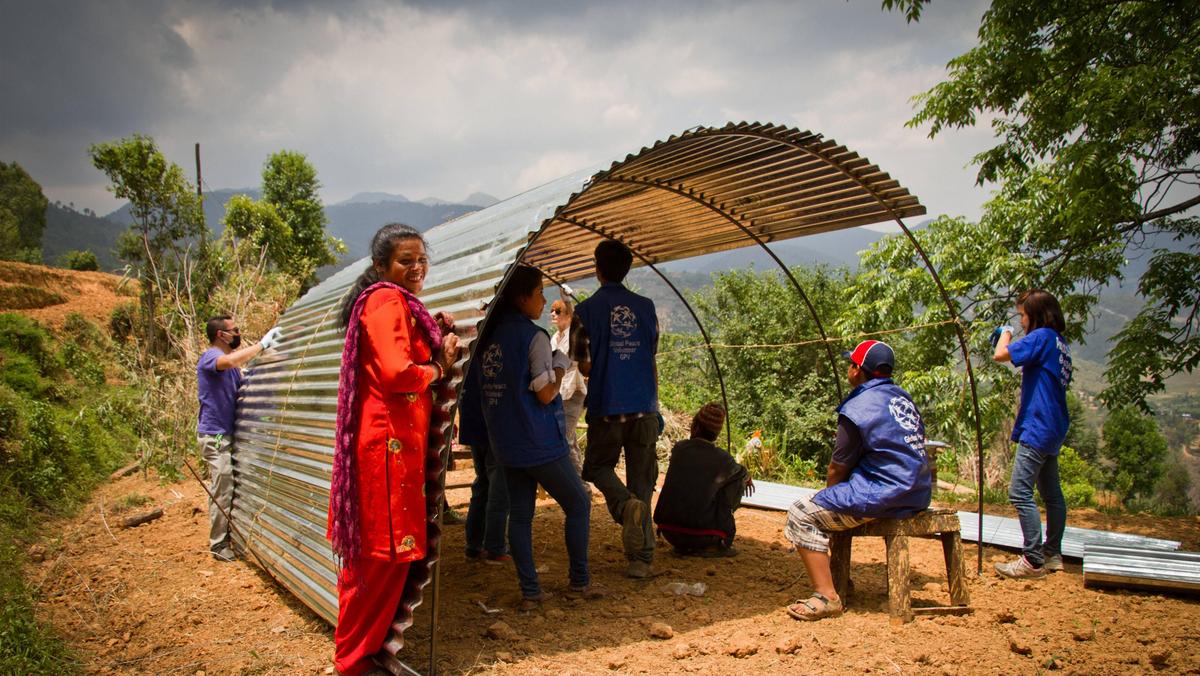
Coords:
pixel 555 312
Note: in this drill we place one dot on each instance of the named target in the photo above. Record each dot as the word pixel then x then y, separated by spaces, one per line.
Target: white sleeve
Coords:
pixel 541 362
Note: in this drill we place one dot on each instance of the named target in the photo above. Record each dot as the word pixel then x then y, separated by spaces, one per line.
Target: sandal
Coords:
pixel 808 611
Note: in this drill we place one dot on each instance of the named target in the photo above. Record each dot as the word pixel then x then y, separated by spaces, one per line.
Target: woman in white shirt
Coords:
pixel 574 387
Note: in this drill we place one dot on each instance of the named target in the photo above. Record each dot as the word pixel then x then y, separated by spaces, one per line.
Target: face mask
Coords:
pixel 237 341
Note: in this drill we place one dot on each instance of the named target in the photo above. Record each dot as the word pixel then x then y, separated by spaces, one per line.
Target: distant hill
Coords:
pixel 372 198
pixel 67 230
pixel 354 221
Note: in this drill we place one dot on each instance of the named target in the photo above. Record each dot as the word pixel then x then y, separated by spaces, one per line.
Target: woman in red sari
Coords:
pixel 394 352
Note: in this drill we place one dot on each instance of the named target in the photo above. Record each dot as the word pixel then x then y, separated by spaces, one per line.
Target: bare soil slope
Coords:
pixel 48 294
pixel 151 600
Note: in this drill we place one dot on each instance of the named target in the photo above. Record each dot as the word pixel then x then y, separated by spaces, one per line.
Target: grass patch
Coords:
pixel 62 431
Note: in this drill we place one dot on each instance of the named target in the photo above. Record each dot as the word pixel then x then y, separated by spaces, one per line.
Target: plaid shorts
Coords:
pixel 808 524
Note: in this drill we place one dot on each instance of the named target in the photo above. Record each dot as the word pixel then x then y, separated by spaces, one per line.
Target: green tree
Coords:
pixel 168 225
pixel 1096 110
pixel 260 225
pixel 1136 449
pixel 1081 435
pixel 787 390
pixel 22 214
pixel 79 260
pixel 290 185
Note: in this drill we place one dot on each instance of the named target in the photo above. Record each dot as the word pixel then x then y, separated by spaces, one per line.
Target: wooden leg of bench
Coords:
pixel 839 563
pixel 899 598
pixel 955 577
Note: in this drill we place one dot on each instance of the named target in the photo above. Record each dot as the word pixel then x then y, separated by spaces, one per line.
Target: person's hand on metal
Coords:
pixel 1000 330
pixel 445 321
pixel 273 338
pixel 449 352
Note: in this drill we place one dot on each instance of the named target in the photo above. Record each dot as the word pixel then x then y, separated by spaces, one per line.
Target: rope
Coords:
pixel 814 341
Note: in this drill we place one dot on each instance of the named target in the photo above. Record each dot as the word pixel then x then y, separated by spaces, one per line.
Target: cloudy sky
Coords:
pixel 429 98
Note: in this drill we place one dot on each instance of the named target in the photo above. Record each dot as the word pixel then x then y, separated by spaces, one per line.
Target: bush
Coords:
pixel 1078 478
pixel 121 322
pixel 21 374
pixel 21 335
pixel 79 260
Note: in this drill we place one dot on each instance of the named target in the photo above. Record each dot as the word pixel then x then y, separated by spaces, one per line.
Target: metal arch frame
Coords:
pixel 731 216
pixel 951 306
pixel 579 223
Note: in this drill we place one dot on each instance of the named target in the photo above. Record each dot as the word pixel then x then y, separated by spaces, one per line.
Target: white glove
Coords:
pixel 565 293
pixel 559 360
pixel 272 339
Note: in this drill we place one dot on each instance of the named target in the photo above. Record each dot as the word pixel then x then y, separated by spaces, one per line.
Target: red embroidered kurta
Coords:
pixel 396 403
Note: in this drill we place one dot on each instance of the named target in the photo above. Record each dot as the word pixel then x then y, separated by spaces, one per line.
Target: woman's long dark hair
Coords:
pixel 1043 310
pixel 522 282
pixel 382 245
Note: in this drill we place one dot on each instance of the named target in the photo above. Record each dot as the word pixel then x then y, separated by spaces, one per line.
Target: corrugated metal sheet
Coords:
pixel 1105 565
pixel 998 531
pixel 703 191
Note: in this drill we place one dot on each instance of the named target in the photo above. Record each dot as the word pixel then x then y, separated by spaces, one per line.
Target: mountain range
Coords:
pixel 353 221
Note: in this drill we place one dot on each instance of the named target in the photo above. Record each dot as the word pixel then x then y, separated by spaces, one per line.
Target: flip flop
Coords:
pixel 812 612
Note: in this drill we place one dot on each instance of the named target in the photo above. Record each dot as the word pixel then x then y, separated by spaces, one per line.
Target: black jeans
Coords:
pixel 605 441
pixel 487 517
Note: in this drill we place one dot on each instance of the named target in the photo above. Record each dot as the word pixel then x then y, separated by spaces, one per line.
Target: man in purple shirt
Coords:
pixel 218 376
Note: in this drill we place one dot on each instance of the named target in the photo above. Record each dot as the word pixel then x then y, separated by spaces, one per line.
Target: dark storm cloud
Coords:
pixel 90 66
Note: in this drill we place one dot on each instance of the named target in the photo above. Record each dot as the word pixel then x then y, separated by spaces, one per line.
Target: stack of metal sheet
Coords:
pixel 1116 566
pixel 998 531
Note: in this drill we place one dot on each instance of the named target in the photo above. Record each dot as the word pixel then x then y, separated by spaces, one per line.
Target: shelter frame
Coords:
pixel 706 190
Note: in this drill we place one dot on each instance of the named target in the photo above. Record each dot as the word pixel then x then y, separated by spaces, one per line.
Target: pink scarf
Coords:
pixel 343 491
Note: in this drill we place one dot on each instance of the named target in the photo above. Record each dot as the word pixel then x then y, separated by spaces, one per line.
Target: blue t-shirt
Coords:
pixel 1045 361
pixel 218 394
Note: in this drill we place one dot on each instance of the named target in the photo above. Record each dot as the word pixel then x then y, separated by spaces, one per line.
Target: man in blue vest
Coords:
pixel 615 339
pixel 878 470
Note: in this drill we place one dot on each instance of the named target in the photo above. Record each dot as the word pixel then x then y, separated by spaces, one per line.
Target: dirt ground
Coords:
pixel 151 600
pixel 92 294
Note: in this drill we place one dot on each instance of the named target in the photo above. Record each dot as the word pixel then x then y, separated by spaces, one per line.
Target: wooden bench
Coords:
pixel 939 523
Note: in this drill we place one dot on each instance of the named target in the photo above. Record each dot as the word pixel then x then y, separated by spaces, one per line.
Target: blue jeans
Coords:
pixel 563 484
pixel 1031 467
pixel 487 517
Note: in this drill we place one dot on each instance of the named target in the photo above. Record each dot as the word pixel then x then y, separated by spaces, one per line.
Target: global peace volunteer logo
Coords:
pixel 622 322
pixel 905 413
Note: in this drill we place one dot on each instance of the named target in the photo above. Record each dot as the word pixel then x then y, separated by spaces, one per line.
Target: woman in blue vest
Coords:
pixel 1041 427
pixel 519 379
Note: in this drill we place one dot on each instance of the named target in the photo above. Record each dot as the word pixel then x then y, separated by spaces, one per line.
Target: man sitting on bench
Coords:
pixel 878 470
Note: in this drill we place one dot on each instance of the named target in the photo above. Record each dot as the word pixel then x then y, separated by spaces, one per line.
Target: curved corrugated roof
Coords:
pixel 703 191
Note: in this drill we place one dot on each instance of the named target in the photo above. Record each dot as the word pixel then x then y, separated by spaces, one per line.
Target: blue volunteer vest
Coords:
pixel 523 432
pixel 622 329
pixel 893 478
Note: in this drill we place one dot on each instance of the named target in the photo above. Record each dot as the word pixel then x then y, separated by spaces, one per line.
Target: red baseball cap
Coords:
pixel 872 355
